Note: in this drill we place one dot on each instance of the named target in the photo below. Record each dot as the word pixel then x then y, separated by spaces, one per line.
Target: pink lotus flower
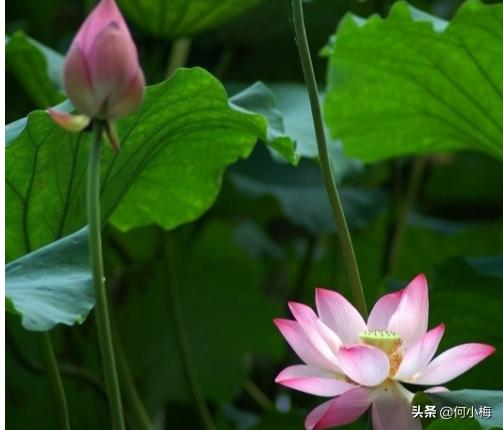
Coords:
pixel 101 73
pixel 362 364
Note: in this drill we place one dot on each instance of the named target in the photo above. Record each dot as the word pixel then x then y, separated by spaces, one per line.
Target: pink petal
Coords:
pixel 69 121
pixel 77 82
pixel 410 319
pixel 313 380
pixel 102 15
pixel 300 343
pixel 339 315
pixel 420 353
pixel 364 364
pixel 127 102
pixel 340 411
pixel 382 311
pixel 436 390
pixel 323 340
pixel 392 409
pixel 452 363
pixel 109 64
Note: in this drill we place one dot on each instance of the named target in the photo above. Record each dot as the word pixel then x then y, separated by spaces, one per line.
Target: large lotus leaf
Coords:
pixel 487 406
pixel 412 83
pixel 52 285
pixel 182 17
pixel 169 170
pixel 36 67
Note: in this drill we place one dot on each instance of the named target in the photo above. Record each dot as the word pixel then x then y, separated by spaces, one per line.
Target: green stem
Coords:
pixel 326 168
pixel 403 212
pixel 179 54
pixel 55 382
pixel 137 409
pixel 182 338
pixel 102 313
pixel 258 395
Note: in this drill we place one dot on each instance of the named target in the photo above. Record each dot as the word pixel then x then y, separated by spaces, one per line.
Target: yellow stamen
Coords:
pixel 385 340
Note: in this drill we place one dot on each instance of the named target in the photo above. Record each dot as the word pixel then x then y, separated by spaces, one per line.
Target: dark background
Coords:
pixel 239 264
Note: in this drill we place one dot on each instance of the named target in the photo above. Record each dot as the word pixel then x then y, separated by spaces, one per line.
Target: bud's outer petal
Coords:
pixel 77 82
pixel 129 100
pixel 104 50
pixel 102 15
pixel 109 63
pixel 68 121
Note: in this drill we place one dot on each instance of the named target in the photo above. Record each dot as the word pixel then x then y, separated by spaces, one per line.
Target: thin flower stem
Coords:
pixel 67 369
pixel 403 212
pixel 258 395
pixel 102 312
pixel 55 382
pixel 133 399
pixel 326 168
pixel 181 336
pixel 179 54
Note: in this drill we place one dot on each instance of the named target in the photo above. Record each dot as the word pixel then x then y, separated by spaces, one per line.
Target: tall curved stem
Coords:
pixel 102 312
pixel 326 167
pixel 181 337
pixel 403 212
pixel 55 382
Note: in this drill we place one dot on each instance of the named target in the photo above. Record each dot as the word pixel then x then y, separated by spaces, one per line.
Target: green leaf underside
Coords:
pixel 169 170
pixel 412 83
pixel 258 98
pixel 287 108
pixel 180 18
pixel 36 67
pixel 52 285
pixel 477 399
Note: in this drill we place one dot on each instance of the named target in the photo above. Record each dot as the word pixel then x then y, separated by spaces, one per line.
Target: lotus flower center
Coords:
pixel 387 341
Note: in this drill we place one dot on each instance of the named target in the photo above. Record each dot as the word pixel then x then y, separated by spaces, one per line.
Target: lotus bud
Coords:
pixel 101 73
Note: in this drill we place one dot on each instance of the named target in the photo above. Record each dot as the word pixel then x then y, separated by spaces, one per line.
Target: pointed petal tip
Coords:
pixel 489 348
pixel 322 290
pixel 452 363
pixel 439 328
pixel 279 321
pixel 68 121
pixel 419 281
pixel 293 305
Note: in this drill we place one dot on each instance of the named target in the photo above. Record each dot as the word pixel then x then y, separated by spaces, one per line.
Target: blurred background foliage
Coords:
pixel 269 236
